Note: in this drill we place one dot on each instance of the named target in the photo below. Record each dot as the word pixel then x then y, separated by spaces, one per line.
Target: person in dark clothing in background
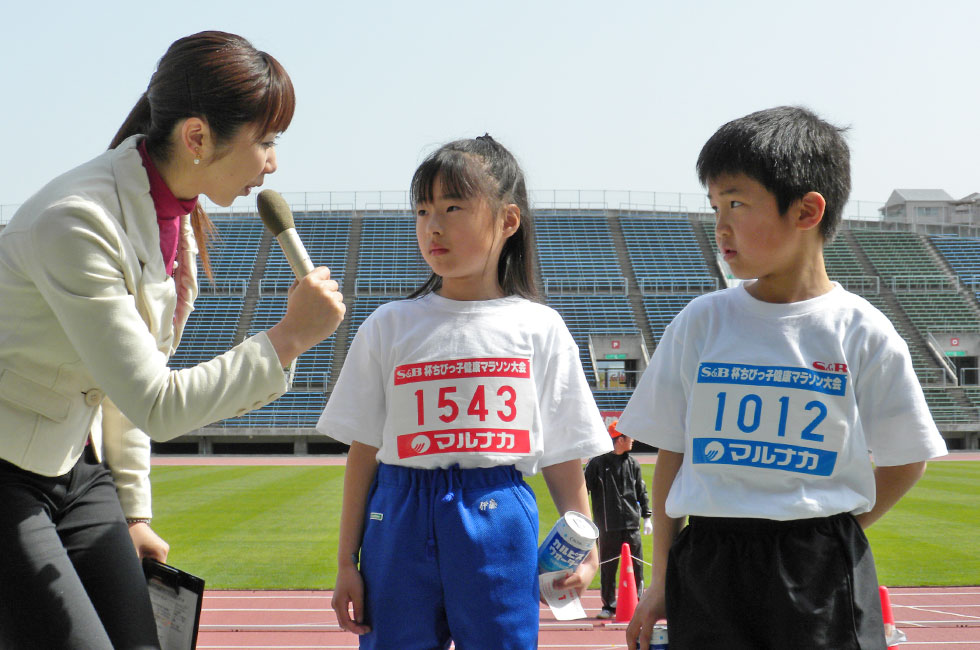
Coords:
pixel 619 502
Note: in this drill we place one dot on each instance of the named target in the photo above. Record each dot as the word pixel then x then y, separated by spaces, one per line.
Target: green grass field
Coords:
pixel 276 527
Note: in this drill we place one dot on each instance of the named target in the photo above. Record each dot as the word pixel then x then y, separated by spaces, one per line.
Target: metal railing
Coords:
pixel 571 286
pixel 689 284
pixel 386 286
pixel 274 286
pixel 860 284
pixel 933 376
pixel 923 283
pixel 969 376
pixel 230 287
pixel 398 202
pixel 949 371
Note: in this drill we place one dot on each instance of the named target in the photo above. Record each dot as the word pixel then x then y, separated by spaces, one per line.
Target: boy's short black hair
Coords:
pixel 790 151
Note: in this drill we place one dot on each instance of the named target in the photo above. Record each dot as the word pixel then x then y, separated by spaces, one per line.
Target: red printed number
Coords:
pixel 477 405
pixel 510 403
pixel 445 402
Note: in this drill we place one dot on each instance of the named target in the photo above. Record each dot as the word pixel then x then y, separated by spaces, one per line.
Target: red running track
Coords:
pixel 944 618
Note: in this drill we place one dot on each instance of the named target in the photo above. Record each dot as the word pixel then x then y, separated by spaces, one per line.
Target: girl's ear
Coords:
pixel 512 219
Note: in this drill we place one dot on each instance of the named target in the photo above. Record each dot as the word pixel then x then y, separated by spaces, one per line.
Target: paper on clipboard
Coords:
pixel 176 598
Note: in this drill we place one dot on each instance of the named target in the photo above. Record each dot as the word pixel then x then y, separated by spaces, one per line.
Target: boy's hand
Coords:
pixel 891 484
pixel 349 594
pixel 651 608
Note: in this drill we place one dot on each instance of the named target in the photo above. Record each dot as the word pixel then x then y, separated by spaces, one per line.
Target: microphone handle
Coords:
pixel 292 246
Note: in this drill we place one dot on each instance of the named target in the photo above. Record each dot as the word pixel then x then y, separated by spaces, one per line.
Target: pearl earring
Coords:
pixel 197 157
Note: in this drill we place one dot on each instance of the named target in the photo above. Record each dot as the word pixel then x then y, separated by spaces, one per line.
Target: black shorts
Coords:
pixel 758 583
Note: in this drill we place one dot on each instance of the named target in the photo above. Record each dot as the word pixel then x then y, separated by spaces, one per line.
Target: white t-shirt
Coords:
pixel 775 406
pixel 434 382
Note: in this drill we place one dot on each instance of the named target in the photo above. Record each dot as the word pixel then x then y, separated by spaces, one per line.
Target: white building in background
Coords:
pixel 931 207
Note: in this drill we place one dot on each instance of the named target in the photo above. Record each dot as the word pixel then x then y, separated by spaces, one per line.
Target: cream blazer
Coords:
pixel 88 320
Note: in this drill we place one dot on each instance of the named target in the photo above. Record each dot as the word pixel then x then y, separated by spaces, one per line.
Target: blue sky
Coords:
pixel 588 95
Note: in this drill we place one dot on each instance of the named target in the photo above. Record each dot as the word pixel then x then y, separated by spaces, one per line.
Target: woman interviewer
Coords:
pixel 97 277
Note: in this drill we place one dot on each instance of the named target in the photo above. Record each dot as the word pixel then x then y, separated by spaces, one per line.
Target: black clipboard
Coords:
pixel 176 598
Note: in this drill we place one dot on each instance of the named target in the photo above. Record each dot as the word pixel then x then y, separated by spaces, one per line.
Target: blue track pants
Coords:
pixel 450 554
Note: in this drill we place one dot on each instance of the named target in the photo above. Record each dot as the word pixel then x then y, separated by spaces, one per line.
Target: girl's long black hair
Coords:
pixel 483 167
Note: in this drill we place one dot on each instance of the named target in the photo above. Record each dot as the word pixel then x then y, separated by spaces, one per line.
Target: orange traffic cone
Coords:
pixel 626 595
pixel 893 636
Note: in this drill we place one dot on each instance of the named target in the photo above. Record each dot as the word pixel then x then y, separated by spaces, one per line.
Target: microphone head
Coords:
pixel 274 211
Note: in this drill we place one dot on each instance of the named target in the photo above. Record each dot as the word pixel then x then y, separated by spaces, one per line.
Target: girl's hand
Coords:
pixel 651 608
pixel 349 594
pixel 582 577
pixel 147 542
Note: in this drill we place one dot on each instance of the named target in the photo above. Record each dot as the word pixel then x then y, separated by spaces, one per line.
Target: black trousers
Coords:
pixel 610 548
pixel 69 575
pixel 753 584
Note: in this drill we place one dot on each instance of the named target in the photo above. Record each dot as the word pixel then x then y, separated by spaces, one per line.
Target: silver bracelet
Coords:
pixel 138 520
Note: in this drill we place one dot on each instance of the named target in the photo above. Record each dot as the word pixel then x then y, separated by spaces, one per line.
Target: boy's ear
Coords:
pixel 812 207
pixel 512 219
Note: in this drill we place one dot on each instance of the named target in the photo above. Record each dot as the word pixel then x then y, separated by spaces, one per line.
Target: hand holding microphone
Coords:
pixel 316 306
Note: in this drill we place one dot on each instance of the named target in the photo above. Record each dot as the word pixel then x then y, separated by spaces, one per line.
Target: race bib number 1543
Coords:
pixel 464 406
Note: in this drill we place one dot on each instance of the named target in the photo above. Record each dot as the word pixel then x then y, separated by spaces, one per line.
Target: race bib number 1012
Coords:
pixel 464 406
pixel 769 417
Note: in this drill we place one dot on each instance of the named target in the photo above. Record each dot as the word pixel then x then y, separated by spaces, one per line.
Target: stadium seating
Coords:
pixel 577 251
pixel 923 364
pixel 661 309
pixel 841 261
pixel 325 237
pixel 389 261
pixel 665 254
pixel 972 394
pixel 963 256
pixel 945 408
pixel 897 254
pixel 210 330
pixel 939 312
pixel 233 251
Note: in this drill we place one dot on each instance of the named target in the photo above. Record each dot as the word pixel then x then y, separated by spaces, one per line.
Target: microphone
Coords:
pixel 278 218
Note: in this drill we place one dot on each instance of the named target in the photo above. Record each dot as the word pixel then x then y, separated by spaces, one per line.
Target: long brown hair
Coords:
pixel 222 79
